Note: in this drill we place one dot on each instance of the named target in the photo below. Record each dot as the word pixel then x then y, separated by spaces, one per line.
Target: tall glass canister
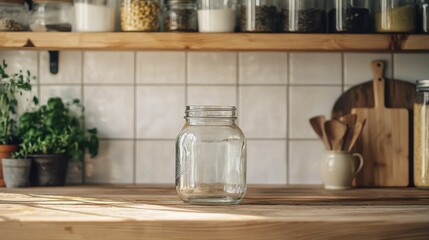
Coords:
pixel 424 16
pixel 94 15
pixel 395 16
pixel 217 15
pixel 211 157
pixel 350 16
pixel 421 135
pixel 180 16
pixel 305 16
pixel 140 15
pixel 259 15
pixel 13 15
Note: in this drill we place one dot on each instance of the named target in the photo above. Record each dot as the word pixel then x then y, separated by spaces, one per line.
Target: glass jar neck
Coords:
pixel 210 115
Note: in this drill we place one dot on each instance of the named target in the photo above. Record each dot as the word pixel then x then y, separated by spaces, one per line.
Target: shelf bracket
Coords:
pixel 54 59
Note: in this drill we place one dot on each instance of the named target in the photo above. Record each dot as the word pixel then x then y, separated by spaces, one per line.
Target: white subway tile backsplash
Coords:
pixel 411 66
pixel 114 163
pixel 266 162
pixel 67 93
pixel 108 67
pixel 304 162
pixel 357 66
pixel 212 95
pixel 263 68
pixel 315 68
pixel 111 110
pixel 161 67
pixel 25 101
pixel 69 71
pixel 212 68
pixel 155 162
pixel 307 102
pixel 20 60
pixel 160 111
pixel 75 172
pixel 262 111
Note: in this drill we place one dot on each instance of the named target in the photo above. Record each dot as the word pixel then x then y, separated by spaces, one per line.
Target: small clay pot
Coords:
pixel 49 169
pixel 5 152
pixel 16 172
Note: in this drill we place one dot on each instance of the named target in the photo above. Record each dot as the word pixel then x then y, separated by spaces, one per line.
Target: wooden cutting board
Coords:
pixel 385 141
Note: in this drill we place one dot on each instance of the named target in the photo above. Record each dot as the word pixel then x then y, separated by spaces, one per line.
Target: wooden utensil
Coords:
pixel 335 131
pixel 318 124
pixel 357 130
pixel 350 121
pixel 384 141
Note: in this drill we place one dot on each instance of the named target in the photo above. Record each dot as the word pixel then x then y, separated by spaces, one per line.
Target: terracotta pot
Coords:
pixel 5 152
pixel 48 169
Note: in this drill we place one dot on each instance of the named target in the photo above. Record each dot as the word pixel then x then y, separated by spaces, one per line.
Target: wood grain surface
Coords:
pixel 267 212
pixel 212 41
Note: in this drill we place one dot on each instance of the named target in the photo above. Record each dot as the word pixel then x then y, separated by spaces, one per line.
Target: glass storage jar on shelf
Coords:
pixel 13 15
pixel 259 15
pixel 217 15
pixel 350 16
pixel 52 16
pixel 424 16
pixel 211 157
pixel 95 15
pixel 304 16
pixel 395 16
pixel 180 16
pixel 421 135
pixel 140 15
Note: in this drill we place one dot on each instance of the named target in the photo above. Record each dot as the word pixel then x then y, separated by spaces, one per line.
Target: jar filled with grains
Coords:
pixel 350 16
pixel 13 15
pixel 305 16
pixel 421 135
pixel 140 15
pixel 180 16
pixel 395 16
pixel 259 15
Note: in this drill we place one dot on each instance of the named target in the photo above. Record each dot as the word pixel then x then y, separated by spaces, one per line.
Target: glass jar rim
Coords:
pixel 210 111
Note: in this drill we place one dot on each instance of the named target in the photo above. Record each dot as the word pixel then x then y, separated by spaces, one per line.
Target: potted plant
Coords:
pixel 52 135
pixel 11 85
pixel 16 170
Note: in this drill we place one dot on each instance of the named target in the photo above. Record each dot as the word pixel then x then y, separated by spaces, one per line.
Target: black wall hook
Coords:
pixel 54 59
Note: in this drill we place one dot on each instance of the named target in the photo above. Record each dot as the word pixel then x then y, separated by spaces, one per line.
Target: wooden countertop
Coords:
pixel 268 212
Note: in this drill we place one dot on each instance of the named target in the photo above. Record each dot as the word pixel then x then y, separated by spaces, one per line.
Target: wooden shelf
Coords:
pixel 213 42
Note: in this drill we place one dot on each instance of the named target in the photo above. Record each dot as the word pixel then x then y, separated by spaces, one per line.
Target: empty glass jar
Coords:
pixel 421 135
pixel 306 16
pixel 52 16
pixel 180 16
pixel 95 15
pixel 424 16
pixel 395 16
pixel 350 16
pixel 13 15
pixel 259 15
pixel 211 157
pixel 217 15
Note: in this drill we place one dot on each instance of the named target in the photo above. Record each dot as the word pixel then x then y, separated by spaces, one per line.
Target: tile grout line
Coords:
pixel 287 118
pixel 237 84
pixel 134 170
pixel 82 97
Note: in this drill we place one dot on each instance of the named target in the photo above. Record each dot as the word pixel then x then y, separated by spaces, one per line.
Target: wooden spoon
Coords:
pixel 335 130
pixel 356 133
pixel 350 121
pixel 318 124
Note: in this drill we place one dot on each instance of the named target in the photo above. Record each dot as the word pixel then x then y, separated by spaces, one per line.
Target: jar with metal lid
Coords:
pixel 140 15
pixel 52 16
pixel 424 16
pixel 217 15
pixel 180 16
pixel 350 16
pixel 395 16
pixel 95 15
pixel 211 157
pixel 13 15
pixel 305 16
pixel 421 135
pixel 259 15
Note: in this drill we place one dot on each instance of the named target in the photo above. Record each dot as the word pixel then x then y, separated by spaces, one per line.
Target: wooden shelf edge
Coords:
pixel 213 42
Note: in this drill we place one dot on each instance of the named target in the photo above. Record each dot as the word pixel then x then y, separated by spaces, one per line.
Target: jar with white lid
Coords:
pixel 211 157
pixel 13 15
pixel 52 16
pixel 395 16
pixel 94 15
pixel 217 15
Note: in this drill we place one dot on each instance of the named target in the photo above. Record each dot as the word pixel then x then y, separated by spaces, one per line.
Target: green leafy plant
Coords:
pixel 11 85
pixel 53 129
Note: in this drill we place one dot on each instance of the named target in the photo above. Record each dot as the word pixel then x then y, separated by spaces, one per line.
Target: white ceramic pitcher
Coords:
pixel 338 169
